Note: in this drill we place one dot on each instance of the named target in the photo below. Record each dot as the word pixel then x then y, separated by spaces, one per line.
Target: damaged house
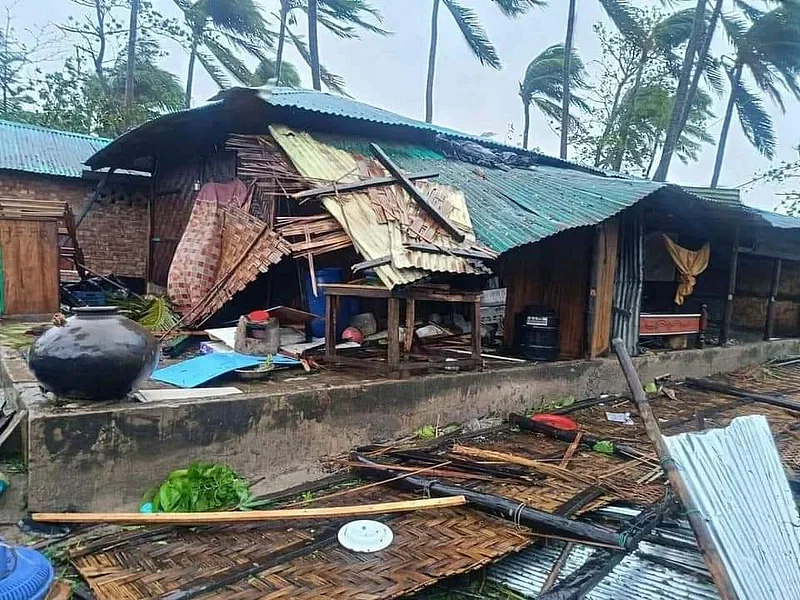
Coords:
pixel 354 193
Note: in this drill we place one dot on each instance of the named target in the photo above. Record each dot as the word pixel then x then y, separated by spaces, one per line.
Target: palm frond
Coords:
pixel 216 72
pixel 624 17
pixel 229 61
pixel 241 17
pixel 352 13
pixel 553 111
pixel 748 10
pixel 735 28
pixel 474 34
pixel 754 119
pixel 266 71
pixel 674 30
pixel 516 8
pixel 713 75
pixel 333 82
pixel 253 48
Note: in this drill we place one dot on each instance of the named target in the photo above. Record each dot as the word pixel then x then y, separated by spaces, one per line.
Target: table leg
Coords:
pixel 476 332
pixel 394 334
pixel 410 320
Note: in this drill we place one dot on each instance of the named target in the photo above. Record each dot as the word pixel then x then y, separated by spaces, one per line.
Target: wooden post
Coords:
pixel 330 328
pixel 701 335
pixel 410 320
pixel 393 332
pixel 594 277
pixel 476 332
pixel 725 328
pixel 704 540
pixel 769 327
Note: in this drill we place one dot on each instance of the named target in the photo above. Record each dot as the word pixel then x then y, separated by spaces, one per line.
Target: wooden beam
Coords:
pixel 767 254
pixel 725 328
pixel 414 192
pixel 705 541
pixel 87 206
pixel 393 332
pixel 253 516
pixel 729 390
pixel 355 186
pixel 411 319
pixel 769 326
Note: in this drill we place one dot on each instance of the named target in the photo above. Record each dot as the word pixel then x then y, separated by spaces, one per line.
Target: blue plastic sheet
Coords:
pixel 197 371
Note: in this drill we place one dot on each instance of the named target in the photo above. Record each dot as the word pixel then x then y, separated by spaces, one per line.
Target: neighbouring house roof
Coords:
pixel 35 149
pixel 725 195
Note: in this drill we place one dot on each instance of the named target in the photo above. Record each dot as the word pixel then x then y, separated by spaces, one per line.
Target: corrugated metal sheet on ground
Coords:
pixel 46 151
pixel 354 211
pixel 518 206
pixel 737 481
pixel 635 577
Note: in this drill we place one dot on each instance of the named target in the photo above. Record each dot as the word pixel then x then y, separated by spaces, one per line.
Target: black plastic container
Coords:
pixel 537 333
pixel 97 355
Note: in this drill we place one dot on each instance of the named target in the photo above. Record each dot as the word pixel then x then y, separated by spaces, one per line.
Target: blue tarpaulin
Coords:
pixel 197 371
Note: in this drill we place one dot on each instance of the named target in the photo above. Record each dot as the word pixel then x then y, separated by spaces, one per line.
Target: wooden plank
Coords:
pixel 769 326
pixel 411 319
pixel 330 328
pixel 357 185
pixel 476 329
pixel 705 541
pixel 415 193
pixel 601 294
pixel 30 266
pixel 727 313
pixel 253 516
pixel 393 331
pixel 361 291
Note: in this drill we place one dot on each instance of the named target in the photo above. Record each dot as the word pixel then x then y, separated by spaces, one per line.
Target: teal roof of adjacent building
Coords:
pixel 35 149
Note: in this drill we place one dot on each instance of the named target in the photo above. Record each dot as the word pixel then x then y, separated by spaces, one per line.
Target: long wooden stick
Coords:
pixel 208 518
pixel 357 185
pixel 705 542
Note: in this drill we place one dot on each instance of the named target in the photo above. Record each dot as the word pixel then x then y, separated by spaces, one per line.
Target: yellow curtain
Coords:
pixel 690 264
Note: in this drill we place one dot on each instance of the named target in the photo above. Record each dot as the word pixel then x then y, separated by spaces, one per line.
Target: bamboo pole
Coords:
pixel 706 543
pixel 254 516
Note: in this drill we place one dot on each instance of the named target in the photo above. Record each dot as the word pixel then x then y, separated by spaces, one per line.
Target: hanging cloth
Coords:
pixel 690 264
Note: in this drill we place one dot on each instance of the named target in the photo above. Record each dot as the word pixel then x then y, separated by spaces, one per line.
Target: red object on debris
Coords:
pixel 556 422
pixel 351 334
pixel 258 316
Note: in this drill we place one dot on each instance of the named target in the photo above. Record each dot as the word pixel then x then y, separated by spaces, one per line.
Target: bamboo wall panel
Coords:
pixel 606 265
pixel 30 266
pixel 552 273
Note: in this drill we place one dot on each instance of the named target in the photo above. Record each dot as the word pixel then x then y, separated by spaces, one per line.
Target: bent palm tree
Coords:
pixel 343 18
pixel 542 86
pixel 267 72
pixel 218 28
pixel 474 34
pixel 769 52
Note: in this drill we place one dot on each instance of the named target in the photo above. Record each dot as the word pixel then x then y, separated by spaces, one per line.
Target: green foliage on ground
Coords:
pixel 201 487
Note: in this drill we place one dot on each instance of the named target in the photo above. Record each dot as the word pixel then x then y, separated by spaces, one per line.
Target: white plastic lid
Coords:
pixel 365 536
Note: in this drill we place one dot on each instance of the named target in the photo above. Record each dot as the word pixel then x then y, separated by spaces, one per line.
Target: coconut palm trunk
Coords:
pixel 432 62
pixel 281 41
pixel 187 102
pixel 526 129
pixel 673 131
pixel 313 45
pixel 131 66
pixel 567 74
pixel 726 125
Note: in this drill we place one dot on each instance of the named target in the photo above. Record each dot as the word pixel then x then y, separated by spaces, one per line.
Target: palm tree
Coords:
pixel 343 18
pixel 313 44
pixel 218 28
pixel 132 32
pixel 543 87
pixel 769 52
pixel 474 34
pixel 566 78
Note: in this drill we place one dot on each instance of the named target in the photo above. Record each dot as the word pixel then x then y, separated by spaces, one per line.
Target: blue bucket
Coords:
pixel 24 574
pixel 316 304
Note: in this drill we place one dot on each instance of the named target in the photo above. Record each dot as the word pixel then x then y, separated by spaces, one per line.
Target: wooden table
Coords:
pixel 395 365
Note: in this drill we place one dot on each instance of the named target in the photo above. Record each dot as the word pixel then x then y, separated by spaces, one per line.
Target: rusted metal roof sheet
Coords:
pixel 735 477
pixel 375 238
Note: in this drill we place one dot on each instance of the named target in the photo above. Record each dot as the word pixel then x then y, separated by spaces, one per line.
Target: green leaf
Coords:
pixel 426 432
pixel 604 447
pixel 651 387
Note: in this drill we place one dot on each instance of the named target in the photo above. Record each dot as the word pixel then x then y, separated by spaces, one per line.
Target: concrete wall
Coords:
pixel 104 458
pixel 113 236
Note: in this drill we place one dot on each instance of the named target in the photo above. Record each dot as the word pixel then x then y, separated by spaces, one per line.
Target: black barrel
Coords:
pixel 537 333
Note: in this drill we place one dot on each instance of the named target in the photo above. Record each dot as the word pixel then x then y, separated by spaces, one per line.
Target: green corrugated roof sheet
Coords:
pixel 726 195
pixel 48 151
pixel 519 206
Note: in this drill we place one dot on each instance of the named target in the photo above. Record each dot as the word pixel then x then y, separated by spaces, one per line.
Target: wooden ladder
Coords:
pixel 69 248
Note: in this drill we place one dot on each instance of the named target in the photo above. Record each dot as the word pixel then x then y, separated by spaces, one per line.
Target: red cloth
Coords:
pixel 194 267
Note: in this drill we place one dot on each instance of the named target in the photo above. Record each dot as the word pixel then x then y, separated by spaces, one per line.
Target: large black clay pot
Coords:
pixel 97 355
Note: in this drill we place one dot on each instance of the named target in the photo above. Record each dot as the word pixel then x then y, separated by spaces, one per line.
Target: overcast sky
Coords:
pixel 390 72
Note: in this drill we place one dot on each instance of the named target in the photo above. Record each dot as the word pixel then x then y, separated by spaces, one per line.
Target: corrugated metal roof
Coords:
pixel 355 212
pixel 518 206
pixel 773 218
pixel 735 478
pixel 47 151
pixel 725 195
pixel 637 576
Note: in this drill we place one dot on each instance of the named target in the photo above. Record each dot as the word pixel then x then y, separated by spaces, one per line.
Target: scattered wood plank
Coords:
pixel 729 390
pixel 570 451
pixel 253 516
pixel 343 188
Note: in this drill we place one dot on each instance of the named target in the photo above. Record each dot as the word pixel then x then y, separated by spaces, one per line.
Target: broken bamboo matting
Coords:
pixel 302 562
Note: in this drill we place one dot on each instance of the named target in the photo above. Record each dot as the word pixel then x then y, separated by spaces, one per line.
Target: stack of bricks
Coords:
pixel 113 236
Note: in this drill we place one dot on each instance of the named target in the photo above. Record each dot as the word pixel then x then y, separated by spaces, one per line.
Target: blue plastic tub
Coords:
pixel 316 304
pixel 24 574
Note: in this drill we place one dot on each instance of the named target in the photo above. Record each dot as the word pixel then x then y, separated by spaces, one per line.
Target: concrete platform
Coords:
pixel 86 456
